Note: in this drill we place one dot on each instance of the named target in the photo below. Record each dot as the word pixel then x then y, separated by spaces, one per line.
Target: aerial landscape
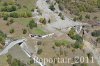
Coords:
pixel 49 32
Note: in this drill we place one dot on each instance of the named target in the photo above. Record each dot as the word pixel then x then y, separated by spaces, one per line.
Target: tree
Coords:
pixel 32 24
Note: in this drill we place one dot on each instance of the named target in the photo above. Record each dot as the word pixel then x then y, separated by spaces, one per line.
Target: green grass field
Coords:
pixel 23 21
pixel 38 31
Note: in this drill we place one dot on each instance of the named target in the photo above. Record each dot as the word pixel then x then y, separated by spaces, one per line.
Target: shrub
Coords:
pixel 2 37
pixel 5 4
pixel 2 40
pixel 78 44
pixel 24 31
pixel 98 40
pixel 29 14
pixel 80 17
pixel 98 3
pixel 62 17
pixel 87 16
pixel 60 7
pixel 39 43
pixel 13 8
pixel 78 38
pixel 14 15
pixel 59 43
pixel 9 8
pixel 11 31
pixel 11 21
pixel 52 7
pixel 39 51
pixel 5 17
pixel 32 24
pixel 72 32
pixel 75 18
pixel 96 33
pixel 9 59
pixel 89 55
pixel 16 62
pixel 31 61
pixel 42 20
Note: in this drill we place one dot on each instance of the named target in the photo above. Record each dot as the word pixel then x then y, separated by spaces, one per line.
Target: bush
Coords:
pixel 87 16
pixel 13 8
pixel 9 59
pixel 14 15
pixel 98 40
pixel 78 44
pixel 24 31
pixel 2 37
pixel 5 17
pixel 39 43
pixel 80 17
pixel 11 31
pixel 42 20
pixel 80 64
pixel 75 18
pixel 29 14
pixel 52 7
pixel 32 24
pixel 61 16
pixel 39 51
pixel 89 55
pixel 72 32
pixel 9 8
pixel 60 7
pixel 11 21
pixel 59 43
pixel 5 4
pixel 78 38
pixel 2 40
pixel 96 33
pixel 98 3
pixel 31 61
pixel 16 62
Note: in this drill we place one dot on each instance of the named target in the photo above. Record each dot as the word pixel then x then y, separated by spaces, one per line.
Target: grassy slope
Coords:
pixel 75 7
pixel 28 3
